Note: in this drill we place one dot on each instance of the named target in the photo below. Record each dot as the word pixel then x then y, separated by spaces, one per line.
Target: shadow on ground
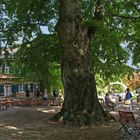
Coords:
pixel 33 124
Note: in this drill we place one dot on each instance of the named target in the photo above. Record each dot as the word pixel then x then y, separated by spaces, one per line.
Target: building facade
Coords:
pixel 10 84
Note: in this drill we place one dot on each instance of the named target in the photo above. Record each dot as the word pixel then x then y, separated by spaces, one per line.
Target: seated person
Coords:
pixel 109 103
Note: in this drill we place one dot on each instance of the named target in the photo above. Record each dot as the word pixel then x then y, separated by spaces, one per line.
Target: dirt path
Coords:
pixel 33 124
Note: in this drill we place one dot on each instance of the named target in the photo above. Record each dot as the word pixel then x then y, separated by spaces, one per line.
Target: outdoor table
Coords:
pixel 132 108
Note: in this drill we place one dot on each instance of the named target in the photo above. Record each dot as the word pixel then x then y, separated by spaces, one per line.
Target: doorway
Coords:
pixel 7 90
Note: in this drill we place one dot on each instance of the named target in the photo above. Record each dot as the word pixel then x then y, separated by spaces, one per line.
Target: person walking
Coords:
pixel 128 97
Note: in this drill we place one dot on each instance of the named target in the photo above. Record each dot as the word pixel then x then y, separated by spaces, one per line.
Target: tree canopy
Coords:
pixel 22 20
pixel 85 36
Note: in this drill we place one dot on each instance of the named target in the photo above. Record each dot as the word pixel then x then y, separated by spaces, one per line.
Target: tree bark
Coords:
pixel 81 105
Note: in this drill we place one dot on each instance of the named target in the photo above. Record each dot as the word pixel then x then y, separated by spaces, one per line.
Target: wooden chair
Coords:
pixel 129 125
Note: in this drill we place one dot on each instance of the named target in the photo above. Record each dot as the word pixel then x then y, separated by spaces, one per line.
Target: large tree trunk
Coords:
pixel 81 106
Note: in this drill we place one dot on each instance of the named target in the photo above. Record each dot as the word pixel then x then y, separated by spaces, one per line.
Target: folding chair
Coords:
pixel 109 106
pixel 128 125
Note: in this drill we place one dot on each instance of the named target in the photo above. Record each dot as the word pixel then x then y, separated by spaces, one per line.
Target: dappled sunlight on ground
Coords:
pixel 33 124
pixel 11 127
pixel 47 111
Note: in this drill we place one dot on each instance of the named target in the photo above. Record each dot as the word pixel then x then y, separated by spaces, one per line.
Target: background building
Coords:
pixel 10 84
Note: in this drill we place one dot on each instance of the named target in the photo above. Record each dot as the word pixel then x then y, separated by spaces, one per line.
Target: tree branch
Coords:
pixel 98 15
pixel 29 13
pixel 124 17
pixel 138 10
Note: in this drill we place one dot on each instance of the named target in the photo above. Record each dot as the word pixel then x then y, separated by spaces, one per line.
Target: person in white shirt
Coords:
pixel 45 97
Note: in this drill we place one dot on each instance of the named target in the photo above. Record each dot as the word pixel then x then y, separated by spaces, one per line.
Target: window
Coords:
pixel 21 88
pixel 29 87
pixel 7 70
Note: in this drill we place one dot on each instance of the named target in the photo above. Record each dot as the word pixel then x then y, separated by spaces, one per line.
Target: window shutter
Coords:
pixel 31 87
pixel 1 89
pixel 24 87
pixel 16 88
pixel 3 69
pixel 13 88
